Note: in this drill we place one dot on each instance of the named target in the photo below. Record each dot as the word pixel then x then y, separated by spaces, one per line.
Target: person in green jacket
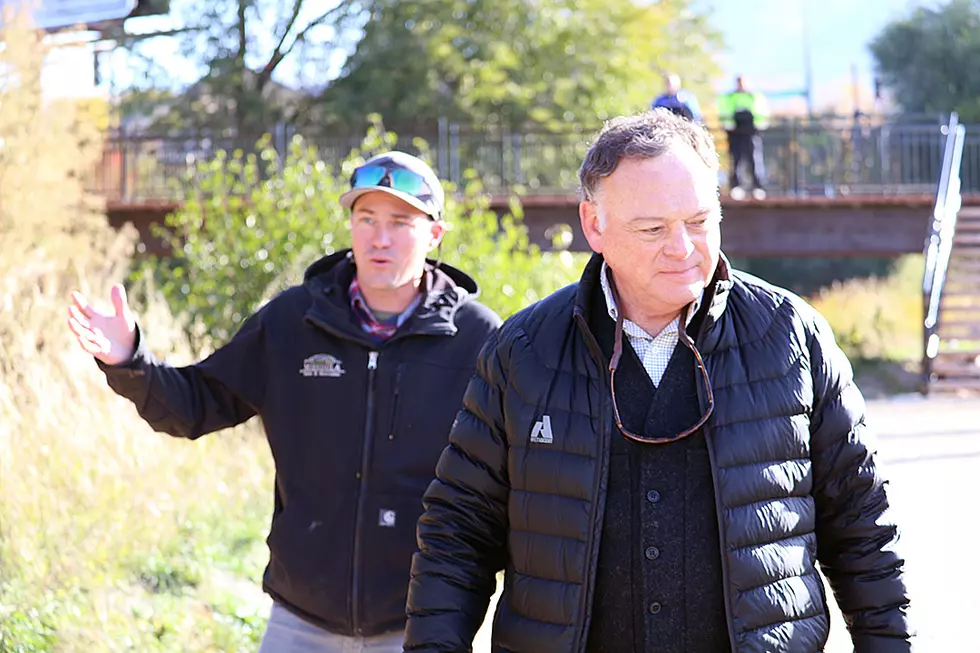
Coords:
pixel 743 114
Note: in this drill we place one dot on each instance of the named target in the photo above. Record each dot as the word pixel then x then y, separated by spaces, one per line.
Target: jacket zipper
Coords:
pixel 372 365
pixel 585 605
pixel 718 511
pixel 721 537
pixel 394 403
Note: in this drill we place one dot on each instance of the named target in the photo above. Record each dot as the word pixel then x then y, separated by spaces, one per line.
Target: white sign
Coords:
pixel 58 14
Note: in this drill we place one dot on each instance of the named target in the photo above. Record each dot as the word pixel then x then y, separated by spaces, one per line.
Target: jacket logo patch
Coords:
pixel 386 518
pixel 322 365
pixel 542 431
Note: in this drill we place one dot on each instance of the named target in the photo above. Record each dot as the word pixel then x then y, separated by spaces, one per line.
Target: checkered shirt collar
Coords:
pixel 635 330
pixel 366 317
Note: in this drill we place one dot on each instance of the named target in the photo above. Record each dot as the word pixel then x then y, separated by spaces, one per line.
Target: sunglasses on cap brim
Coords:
pixel 398 179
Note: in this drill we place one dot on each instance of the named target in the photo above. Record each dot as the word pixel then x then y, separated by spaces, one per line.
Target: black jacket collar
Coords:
pixel 712 308
pixel 446 290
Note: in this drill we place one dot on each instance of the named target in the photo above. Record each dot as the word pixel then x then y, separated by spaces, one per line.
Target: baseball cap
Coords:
pixel 402 175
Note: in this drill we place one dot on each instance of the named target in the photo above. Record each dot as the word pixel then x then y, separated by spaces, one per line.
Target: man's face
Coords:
pixel 390 239
pixel 661 233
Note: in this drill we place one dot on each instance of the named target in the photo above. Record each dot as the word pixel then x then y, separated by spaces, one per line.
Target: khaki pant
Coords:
pixel 287 633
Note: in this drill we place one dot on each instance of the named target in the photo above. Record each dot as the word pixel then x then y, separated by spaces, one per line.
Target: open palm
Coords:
pixel 110 337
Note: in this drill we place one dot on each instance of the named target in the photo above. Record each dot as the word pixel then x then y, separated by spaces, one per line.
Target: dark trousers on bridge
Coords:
pixel 744 150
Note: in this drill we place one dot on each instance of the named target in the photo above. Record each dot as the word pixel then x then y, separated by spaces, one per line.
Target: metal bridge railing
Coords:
pixel 802 158
pixel 939 242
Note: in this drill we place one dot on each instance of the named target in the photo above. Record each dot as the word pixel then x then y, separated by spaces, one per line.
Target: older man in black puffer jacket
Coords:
pixel 659 456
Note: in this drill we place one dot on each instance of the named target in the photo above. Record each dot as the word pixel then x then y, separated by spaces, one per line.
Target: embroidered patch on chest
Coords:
pixel 322 365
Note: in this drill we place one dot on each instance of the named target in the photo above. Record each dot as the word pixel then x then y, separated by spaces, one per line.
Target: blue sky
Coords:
pixel 764 42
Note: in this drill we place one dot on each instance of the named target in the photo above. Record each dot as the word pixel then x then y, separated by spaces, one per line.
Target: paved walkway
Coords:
pixel 930 449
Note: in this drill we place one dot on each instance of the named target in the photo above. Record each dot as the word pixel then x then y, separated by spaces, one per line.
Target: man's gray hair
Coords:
pixel 643 136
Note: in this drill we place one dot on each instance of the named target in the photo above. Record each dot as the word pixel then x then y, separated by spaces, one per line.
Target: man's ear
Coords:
pixel 588 213
pixel 438 232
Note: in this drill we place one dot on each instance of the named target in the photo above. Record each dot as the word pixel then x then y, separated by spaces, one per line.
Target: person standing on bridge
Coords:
pixel 357 375
pixel 659 456
pixel 743 115
pixel 677 100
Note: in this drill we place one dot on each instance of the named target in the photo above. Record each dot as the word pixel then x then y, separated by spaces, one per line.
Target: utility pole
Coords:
pixel 807 61
pixel 855 90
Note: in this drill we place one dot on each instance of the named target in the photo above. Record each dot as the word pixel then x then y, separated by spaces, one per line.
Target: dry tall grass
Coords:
pixel 878 318
pixel 109 534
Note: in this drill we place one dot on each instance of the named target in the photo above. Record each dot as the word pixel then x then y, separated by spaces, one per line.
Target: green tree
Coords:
pixel 928 59
pixel 515 62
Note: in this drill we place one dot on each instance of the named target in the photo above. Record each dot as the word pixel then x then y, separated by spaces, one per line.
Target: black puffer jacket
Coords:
pixel 793 465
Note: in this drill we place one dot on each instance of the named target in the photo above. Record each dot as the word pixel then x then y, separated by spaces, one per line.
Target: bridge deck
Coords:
pixel 852 225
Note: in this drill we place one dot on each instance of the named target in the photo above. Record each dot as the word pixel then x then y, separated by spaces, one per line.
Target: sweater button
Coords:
pixel 655 607
pixel 652 553
pixel 653 496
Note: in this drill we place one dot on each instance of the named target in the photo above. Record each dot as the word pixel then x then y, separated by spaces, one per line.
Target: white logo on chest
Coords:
pixel 322 365
pixel 542 431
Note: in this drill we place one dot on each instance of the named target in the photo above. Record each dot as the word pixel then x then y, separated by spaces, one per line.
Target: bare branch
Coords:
pixel 343 8
pixel 277 53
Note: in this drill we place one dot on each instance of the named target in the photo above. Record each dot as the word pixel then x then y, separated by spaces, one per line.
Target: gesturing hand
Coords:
pixel 111 337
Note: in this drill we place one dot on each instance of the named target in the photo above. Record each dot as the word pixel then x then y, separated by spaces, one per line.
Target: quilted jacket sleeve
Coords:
pixel 857 537
pixel 462 533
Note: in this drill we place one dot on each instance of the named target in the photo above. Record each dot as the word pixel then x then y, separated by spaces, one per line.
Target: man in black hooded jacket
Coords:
pixel 356 375
pixel 659 456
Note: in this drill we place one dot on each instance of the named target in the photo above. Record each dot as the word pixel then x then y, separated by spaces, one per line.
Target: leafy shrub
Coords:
pixel 880 317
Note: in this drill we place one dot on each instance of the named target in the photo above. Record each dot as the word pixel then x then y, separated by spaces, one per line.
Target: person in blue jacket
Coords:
pixel 677 100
